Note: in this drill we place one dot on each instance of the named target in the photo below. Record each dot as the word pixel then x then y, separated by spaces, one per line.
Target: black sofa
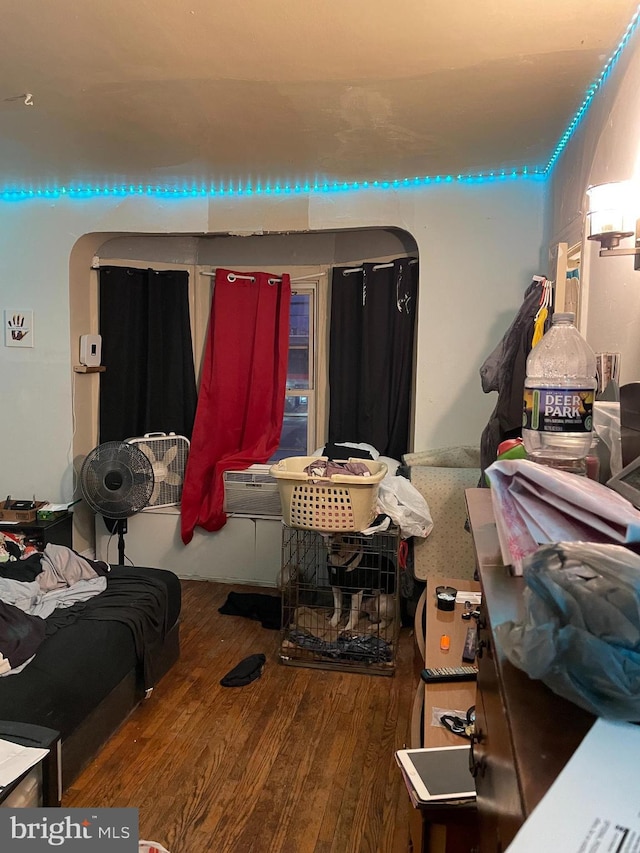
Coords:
pixel 98 660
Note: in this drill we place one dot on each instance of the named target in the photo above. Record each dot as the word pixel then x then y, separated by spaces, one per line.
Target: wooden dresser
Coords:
pixel 525 733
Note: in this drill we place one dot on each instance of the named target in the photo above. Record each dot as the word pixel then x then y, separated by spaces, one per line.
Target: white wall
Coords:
pixel 606 147
pixel 36 240
pixel 478 246
pixel 245 550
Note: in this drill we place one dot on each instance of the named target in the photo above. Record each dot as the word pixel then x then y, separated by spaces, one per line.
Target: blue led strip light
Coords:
pixel 591 91
pixel 84 191
pixel 193 190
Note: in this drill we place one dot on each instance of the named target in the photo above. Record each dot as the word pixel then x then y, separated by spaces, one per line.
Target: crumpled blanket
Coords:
pixel 30 598
pixel 20 635
pixel 314 621
pixel 62 567
pixel 368 648
pixel 31 589
pixel 139 602
pixel 261 607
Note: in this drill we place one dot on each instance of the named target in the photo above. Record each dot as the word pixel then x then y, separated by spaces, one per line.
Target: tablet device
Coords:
pixel 438 773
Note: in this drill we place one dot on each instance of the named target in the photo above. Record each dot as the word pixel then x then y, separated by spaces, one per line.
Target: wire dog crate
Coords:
pixel 356 630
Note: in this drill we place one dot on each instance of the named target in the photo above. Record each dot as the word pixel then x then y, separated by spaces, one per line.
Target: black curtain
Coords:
pixel 373 315
pixel 149 384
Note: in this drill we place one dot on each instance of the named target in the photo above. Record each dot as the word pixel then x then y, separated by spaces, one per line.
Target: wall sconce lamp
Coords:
pixel 612 218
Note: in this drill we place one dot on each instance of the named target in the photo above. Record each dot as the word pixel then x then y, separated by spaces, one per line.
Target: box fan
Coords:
pixel 168 456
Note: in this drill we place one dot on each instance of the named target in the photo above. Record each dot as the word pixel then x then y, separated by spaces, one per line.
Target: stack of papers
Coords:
pixel 16 760
pixel 536 505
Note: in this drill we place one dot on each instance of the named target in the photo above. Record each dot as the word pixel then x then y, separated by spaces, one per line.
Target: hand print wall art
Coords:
pixel 18 329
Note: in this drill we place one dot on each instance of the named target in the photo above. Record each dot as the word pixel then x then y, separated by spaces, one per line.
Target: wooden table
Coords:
pixel 449 828
pixel 456 695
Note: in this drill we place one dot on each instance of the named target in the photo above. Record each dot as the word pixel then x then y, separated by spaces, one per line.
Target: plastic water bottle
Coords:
pixel 559 391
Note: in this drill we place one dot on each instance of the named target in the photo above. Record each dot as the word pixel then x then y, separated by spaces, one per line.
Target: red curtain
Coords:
pixel 241 400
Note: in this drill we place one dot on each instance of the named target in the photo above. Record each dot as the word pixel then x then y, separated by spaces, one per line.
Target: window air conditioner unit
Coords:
pixel 253 493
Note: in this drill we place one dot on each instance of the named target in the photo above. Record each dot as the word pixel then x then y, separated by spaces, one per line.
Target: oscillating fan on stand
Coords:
pixel 117 481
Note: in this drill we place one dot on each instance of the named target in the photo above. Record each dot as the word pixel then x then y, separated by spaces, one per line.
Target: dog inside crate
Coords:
pixel 340 595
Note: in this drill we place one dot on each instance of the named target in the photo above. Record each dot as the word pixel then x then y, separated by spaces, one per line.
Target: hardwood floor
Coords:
pixel 299 761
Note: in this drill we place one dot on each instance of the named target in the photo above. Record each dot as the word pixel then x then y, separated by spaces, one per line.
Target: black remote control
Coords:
pixel 470 644
pixel 449 673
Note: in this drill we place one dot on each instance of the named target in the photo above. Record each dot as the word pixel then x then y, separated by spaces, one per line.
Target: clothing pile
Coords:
pixel 359 648
pixel 33 587
pixel 323 469
pixel 15 546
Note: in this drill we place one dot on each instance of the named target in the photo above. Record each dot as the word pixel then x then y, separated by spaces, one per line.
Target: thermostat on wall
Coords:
pixel 90 350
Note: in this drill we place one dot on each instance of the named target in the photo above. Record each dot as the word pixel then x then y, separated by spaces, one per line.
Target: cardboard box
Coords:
pixel 25 516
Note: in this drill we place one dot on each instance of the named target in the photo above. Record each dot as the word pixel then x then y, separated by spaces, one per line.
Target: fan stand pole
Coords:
pixel 122 529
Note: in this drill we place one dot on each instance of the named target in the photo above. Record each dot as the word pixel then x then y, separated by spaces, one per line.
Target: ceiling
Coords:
pixel 291 90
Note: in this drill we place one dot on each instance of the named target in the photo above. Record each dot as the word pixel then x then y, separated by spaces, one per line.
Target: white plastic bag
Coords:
pixel 606 423
pixel 406 507
pixel 580 628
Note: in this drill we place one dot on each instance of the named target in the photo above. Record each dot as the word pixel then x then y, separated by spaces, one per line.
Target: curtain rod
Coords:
pixel 96 266
pixel 376 267
pixel 272 278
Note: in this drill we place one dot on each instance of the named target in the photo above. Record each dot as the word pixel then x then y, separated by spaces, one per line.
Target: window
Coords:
pixel 297 433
